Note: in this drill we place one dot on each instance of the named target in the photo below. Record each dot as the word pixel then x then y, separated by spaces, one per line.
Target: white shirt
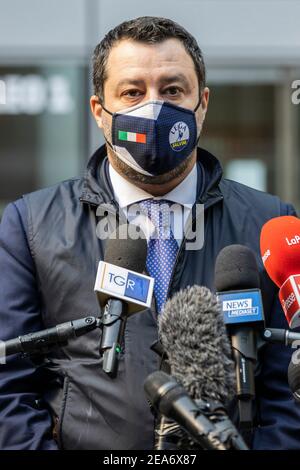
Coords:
pixel 183 196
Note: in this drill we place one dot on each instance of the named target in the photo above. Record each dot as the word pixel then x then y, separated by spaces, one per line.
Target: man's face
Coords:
pixel 138 72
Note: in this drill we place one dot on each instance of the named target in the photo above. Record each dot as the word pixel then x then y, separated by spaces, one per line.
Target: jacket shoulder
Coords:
pixel 53 204
pixel 251 199
pixel 71 187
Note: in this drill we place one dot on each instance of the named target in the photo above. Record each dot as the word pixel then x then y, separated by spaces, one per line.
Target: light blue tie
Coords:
pixel 162 248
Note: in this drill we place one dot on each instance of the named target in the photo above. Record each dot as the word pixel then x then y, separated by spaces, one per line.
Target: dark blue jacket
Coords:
pixel 48 259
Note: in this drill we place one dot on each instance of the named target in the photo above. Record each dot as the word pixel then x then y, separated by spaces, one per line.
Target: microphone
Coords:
pixel 122 290
pixel 193 334
pixel 237 282
pixel 171 399
pixel 280 251
pixel 294 375
pixel 42 341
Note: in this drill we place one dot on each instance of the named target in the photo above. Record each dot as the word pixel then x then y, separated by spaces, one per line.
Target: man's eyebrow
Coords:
pixel 164 80
pixel 130 81
pixel 175 78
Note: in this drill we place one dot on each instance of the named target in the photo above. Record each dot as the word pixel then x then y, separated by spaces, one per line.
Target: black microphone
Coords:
pixel 171 399
pixel 42 341
pixel 281 336
pixel 120 287
pixel 193 334
pixel 294 375
pixel 237 280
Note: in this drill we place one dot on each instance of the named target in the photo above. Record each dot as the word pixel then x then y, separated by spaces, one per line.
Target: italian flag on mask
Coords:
pixel 132 137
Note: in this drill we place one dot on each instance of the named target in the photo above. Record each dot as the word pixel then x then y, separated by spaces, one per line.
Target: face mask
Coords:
pixel 155 137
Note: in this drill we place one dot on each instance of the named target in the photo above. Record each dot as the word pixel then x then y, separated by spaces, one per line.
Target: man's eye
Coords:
pixel 132 93
pixel 173 90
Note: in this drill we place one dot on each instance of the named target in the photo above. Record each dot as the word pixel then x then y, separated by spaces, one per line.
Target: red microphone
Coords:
pixel 280 251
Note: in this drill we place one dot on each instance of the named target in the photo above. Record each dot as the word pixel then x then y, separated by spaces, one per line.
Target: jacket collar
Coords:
pixel 97 188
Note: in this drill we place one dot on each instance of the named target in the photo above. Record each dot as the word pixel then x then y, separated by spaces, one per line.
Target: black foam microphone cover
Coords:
pixel 236 269
pixel 125 251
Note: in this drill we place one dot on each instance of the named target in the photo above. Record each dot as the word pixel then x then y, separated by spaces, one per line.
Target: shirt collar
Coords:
pixel 127 193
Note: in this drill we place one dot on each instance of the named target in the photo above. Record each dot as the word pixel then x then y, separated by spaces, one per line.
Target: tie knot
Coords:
pixel 158 211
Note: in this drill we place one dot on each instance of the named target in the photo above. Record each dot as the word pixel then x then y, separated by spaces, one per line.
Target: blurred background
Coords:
pixel 252 53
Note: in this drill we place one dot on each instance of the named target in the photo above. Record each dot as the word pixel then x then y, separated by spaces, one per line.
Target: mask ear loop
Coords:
pixel 106 110
pixel 199 102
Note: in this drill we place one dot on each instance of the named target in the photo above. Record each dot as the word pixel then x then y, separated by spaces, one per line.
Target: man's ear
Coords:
pixel 205 100
pixel 97 110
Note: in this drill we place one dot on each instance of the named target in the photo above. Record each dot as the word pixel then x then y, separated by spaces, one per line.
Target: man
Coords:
pixel 150 72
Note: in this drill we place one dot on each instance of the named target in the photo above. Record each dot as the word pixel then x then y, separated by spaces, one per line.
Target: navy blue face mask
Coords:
pixel 155 137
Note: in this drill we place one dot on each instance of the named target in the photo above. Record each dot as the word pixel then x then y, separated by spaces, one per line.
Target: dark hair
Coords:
pixel 148 29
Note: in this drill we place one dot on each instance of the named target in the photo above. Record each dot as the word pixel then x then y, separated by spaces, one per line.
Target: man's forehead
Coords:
pixel 164 59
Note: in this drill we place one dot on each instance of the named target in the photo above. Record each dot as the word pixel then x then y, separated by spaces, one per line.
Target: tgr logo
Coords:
pixel 121 281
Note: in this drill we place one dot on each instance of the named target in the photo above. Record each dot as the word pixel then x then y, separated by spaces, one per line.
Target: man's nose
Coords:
pixel 153 94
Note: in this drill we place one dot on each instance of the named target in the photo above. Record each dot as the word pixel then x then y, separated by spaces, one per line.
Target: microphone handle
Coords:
pixel 278 335
pixel 243 340
pixel 244 344
pixel 39 341
pixel 113 326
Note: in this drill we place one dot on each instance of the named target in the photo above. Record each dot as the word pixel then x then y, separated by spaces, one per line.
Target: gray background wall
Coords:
pixel 244 42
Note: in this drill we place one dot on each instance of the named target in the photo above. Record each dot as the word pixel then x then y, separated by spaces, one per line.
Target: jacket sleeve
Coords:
pixel 24 423
pixel 278 412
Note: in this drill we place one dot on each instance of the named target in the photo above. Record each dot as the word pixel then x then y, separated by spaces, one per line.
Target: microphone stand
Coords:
pixel 166 430
pixel 41 342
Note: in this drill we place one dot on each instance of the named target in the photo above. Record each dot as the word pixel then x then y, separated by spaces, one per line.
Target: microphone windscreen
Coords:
pixel 194 337
pixel 236 269
pixel 125 251
pixel 280 248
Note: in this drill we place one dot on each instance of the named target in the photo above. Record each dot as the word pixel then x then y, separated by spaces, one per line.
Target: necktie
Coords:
pixel 162 247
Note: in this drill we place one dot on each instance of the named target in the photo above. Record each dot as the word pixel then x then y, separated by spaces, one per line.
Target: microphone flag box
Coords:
pixel 134 288
pixel 289 296
pixel 243 306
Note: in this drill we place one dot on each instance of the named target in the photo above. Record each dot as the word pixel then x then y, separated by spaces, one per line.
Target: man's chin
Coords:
pixel 135 177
